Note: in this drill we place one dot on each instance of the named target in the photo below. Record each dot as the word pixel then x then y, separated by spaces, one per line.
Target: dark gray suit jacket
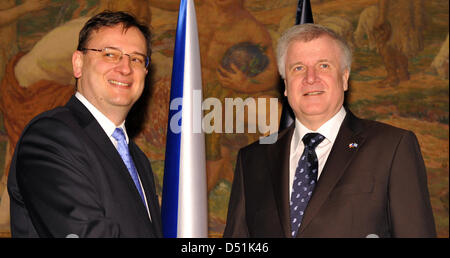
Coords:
pixel 67 178
pixel 378 188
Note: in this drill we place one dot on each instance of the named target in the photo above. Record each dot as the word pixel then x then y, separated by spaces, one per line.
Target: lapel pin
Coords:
pixel 353 145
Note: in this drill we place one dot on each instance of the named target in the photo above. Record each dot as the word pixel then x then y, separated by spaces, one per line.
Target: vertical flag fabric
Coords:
pixel 304 15
pixel 184 201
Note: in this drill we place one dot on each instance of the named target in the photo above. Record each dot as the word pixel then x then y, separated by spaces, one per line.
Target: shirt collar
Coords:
pixel 107 125
pixel 329 129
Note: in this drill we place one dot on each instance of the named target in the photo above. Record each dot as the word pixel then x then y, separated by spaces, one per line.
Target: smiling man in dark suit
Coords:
pixel 75 172
pixel 330 174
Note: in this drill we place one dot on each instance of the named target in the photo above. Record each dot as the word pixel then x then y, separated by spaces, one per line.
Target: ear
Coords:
pixel 285 87
pixel 77 64
pixel 345 77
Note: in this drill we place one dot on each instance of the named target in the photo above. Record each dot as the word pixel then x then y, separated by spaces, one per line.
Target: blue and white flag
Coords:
pixel 184 204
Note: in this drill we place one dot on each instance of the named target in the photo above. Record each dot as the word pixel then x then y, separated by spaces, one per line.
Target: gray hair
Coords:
pixel 307 32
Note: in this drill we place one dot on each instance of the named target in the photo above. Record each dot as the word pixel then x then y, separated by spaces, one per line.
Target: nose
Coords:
pixel 124 66
pixel 310 77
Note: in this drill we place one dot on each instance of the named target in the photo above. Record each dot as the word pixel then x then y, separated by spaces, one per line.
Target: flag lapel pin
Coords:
pixel 353 145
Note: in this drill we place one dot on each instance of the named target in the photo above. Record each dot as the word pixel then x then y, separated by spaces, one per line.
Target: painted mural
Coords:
pixel 399 73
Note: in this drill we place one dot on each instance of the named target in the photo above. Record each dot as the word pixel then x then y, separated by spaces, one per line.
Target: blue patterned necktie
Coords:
pixel 122 148
pixel 304 180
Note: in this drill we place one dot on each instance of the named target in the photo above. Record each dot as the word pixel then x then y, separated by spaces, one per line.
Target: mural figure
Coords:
pixel 398 28
pixel 440 61
pixel 237 62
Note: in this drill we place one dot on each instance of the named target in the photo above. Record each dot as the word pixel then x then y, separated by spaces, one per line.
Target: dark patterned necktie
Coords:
pixel 305 180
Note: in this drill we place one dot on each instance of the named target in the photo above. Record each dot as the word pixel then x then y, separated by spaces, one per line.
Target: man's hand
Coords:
pixel 235 80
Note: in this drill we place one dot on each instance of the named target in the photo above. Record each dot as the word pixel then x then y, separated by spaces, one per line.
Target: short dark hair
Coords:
pixel 111 19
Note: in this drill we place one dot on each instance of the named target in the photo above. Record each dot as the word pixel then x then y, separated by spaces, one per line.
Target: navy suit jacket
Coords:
pixel 378 188
pixel 67 178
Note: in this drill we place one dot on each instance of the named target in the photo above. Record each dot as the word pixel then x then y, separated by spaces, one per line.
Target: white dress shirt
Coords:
pixel 109 127
pixel 329 129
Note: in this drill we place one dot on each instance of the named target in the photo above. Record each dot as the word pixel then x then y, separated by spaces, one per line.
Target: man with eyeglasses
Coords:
pixel 75 172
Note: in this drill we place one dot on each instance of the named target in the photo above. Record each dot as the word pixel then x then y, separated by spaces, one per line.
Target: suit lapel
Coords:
pixel 340 157
pixel 152 201
pixel 278 156
pixel 95 132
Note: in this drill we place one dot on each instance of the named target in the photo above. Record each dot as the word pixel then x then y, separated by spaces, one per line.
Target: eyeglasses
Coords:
pixel 114 55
